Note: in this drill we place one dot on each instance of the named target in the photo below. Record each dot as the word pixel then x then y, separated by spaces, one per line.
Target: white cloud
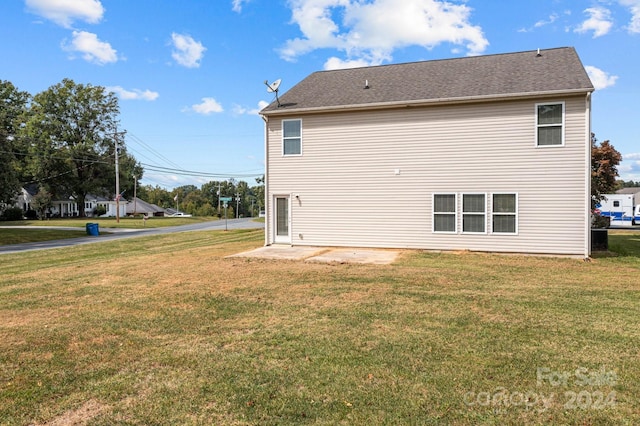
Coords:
pixel 240 110
pixel 600 79
pixel 369 32
pixel 135 94
pixel 634 8
pixel 552 18
pixel 261 106
pixel 236 5
pixel 334 63
pixel 629 168
pixel 206 107
pixel 64 12
pixel 632 156
pixel 599 22
pixel 187 52
pixel 91 48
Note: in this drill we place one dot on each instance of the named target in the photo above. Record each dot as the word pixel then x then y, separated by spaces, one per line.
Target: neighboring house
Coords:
pixel 68 207
pixel 631 191
pixel 487 153
pixel 91 202
pixel 138 206
pixel 64 207
pixel 25 198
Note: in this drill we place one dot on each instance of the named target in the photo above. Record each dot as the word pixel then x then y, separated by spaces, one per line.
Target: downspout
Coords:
pixel 267 216
pixel 587 249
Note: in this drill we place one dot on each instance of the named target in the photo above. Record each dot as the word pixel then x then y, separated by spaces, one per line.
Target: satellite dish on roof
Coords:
pixel 273 88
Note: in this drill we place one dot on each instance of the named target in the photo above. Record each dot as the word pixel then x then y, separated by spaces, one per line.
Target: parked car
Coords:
pixel 180 214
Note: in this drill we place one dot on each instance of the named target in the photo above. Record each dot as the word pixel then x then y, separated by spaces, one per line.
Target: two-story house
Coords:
pixel 485 153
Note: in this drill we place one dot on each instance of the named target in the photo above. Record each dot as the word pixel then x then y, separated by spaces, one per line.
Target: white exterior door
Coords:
pixel 282 231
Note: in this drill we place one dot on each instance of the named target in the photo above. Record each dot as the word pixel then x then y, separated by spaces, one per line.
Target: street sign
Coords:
pixel 225 199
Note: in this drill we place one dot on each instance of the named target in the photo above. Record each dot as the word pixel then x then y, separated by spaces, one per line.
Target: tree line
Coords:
pixel 64 141
pixel 245 201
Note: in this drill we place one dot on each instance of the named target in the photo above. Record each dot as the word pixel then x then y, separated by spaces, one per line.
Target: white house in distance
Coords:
pixel 485 153
pixel 68 207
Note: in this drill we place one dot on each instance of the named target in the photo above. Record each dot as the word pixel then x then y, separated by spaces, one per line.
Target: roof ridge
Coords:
pixel 459 58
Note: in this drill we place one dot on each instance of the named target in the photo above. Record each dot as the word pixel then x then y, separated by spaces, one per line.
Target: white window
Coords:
pixel 504 214
pixel 291 137
pixel 444 213
pixel 474 213
pixel 550 124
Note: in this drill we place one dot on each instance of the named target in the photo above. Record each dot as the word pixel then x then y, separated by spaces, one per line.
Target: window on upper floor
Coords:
pixel 550 124
pixel 291 137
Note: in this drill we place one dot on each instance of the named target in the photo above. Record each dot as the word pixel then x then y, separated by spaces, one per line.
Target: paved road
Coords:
pixel 118 233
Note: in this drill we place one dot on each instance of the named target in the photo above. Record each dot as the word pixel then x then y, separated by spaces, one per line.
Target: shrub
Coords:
pixel 12 213
pixel 599 221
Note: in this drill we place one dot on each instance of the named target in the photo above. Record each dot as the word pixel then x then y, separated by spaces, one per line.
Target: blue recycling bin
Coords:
pixel 93 229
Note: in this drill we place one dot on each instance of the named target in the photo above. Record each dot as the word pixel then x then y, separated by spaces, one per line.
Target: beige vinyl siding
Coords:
pixel 367 178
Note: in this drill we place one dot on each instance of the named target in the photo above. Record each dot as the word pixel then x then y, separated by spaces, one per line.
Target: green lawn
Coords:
pixel 110 222
pixel 20 235
pixel 167 330
pixel 37 233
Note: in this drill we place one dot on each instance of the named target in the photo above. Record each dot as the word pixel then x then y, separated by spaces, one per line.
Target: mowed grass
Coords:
pixel 111 222
pixel 168 330
pixel 20 235
pixel 37 229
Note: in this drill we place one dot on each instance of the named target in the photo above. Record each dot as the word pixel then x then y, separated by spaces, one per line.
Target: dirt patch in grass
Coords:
pixel 79 416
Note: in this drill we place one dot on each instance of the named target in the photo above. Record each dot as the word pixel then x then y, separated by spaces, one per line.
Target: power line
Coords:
pixel 136 139
pixel 184 172
pixel 75 159
pixel 55 176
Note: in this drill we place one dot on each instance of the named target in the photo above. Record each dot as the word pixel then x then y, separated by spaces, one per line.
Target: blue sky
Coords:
pixel 190 74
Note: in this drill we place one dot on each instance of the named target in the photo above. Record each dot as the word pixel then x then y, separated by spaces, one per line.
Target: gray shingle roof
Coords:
pixel 631 191
pixel 507 75
pixel 142 207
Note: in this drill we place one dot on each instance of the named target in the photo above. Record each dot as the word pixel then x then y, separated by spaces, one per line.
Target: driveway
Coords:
pixel 118 233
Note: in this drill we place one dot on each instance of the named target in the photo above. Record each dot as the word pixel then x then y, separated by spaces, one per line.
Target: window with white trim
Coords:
pixel 550 124
pixel 504 213
pixel 474 213
pixel 292 137
pixel 444 213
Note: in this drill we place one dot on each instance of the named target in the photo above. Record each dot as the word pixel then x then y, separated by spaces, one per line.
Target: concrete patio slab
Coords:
pixel 379 257
pixel 322 254
pixel 277 251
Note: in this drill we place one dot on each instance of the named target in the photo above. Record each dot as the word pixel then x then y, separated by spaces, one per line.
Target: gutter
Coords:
pixel 587 239
pixel 267 216
pixel 423 102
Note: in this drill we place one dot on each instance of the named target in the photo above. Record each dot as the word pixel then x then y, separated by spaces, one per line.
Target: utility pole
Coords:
pixel 135 194
pixel 237 204
pixel 116 135
pixel 219 193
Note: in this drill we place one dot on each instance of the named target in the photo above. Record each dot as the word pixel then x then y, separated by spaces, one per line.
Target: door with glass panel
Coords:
pixel 281 225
